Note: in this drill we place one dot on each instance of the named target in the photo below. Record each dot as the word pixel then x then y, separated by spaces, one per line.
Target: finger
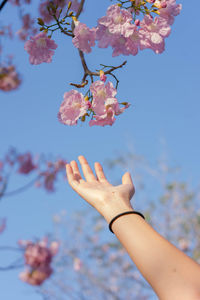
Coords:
pixel 70 176
pixel 76 171
pixel 87 171
pixel 126 178
pixel 99 172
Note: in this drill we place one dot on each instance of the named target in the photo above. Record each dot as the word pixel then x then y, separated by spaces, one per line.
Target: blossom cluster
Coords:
pixel 126 29
pixel 119 29
pixel 103 105
pixel 38 257
pixel 125 34
pixel 24 164
pixel 9 78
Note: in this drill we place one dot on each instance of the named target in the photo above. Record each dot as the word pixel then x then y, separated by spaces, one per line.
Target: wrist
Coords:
pixel 111 211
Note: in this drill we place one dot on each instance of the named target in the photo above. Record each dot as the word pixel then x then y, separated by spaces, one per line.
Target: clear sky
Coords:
pixel 164 92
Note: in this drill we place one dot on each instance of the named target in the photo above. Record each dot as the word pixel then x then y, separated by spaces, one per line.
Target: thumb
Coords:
pixel 126 178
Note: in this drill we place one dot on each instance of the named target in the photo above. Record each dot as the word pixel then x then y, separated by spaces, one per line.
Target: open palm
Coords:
pixel 96 190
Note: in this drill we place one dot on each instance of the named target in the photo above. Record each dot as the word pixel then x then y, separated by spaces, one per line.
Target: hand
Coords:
pixel 109 200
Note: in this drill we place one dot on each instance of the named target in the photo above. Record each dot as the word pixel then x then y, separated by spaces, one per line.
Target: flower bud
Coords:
pixel 86 98
pixel 102 75
pixel 40 21
pixel 137 22
pixel 83 118
pixel 71 13
pixel 69 4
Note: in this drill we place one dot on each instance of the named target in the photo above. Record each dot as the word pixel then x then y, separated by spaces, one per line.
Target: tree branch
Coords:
pixel 2 4
pixel 21 189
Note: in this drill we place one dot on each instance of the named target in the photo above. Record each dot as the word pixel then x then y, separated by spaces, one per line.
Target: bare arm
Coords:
pixel 171 273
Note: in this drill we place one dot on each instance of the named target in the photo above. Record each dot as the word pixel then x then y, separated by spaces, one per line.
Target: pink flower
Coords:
pixel 133 41
pixel 38 257
pixel 117 20
pixel 103 77
pixel 119 46
pixel 72 108
pixel 44 13
pixel 49 180
pixel 105 119
pixel 153 33
pixel 104 104
pixel 170 10
pixel 36 276
pixel 101 93
pixel 27 27
pixel 25 163
pixel 40 48
pixel 113 30
pixel 9 79
pixel 84 37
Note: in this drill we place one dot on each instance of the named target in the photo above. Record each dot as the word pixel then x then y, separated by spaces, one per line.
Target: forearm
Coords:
pixel 171 273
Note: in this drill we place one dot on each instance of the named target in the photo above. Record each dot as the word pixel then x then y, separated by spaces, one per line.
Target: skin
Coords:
pixel 171 273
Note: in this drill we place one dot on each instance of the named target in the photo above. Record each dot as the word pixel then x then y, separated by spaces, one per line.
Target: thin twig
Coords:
pixel 21 189
pixel 2 4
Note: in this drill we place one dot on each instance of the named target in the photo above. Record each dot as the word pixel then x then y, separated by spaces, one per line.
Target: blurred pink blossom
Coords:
pixel 36 276
pixel 9 79
pixel 26 164
pixel 40 48
pixel 38 257
pixel 27 27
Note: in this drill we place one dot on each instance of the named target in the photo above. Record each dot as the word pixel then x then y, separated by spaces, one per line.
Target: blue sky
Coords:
pixel 164 93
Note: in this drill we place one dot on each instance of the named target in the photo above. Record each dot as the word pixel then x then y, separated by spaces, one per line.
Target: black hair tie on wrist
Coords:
pixel 124 213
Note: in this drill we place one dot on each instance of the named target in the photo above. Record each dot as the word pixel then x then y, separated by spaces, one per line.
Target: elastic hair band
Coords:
pixel 124 213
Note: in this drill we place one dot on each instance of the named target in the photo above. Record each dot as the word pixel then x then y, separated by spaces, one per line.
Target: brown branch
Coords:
pixel 80 9
pixel 87 72
pixel 2 4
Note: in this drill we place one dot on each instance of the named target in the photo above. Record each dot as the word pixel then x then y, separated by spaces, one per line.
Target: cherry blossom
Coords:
pixel 36 276
pixel 104 104
pixel 27 27
pixel 117 20
pixel 9 79
pixel 72 108
pixel 38 257
pixel 84 37
pixel 169 11
pixel 48 177
pixel 26 164
pixel 153 32
pixel 40 48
